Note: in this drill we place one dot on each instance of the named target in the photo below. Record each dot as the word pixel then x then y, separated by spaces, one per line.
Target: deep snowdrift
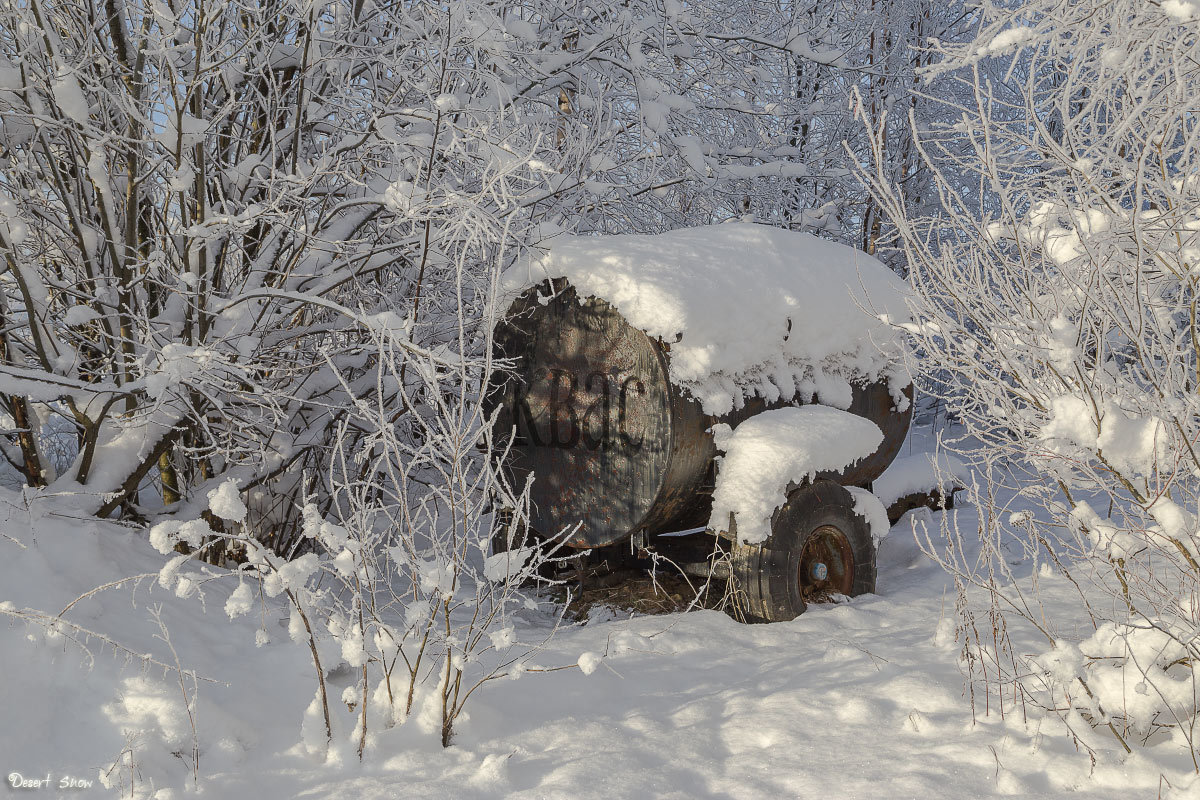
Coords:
pixel 747 309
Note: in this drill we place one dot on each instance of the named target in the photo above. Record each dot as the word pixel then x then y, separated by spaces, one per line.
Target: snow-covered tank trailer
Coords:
pixel 734 381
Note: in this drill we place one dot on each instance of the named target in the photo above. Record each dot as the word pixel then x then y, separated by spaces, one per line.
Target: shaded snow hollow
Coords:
pixel 922 472
pixel 771 450
pixel 748 309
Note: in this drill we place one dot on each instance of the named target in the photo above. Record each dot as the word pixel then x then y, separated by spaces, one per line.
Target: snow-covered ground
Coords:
pixel 858 700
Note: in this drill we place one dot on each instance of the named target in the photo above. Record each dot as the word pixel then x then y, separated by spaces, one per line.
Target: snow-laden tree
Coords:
pixel 205 207
pixel 1061 290
pixel 777 103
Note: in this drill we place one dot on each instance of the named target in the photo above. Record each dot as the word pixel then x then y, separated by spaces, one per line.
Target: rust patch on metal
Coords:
pixel 826 565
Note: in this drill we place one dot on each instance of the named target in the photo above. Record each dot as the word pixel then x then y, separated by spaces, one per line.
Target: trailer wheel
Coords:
pixel 818 548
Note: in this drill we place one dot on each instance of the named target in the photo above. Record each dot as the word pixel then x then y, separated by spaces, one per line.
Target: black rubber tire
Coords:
pixel 766 579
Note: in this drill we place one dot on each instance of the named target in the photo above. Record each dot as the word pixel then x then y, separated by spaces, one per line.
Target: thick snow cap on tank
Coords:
pixel 747 309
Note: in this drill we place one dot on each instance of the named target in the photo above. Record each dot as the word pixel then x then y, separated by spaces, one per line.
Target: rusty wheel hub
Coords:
pixel 826 565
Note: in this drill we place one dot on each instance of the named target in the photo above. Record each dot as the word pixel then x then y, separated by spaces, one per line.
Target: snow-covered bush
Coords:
pixel 1061 286
pixel 787 154
pixel 398 580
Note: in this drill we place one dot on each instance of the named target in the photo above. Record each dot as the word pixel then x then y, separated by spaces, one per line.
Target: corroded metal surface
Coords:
pixel 590 404
pixel 826 564
pixel 874 402
pixel 613 446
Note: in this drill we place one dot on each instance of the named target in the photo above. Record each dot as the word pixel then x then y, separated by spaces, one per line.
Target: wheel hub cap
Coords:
pixel 826 565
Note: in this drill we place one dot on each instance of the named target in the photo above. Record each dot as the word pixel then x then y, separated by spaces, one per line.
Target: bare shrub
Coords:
pixel 1059 291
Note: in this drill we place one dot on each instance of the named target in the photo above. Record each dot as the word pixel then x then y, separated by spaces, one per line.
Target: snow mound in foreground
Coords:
pixel 776 448
pixel 747 309
pixel 923 472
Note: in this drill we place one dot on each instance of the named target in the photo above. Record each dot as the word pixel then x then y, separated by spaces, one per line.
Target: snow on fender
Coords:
pixel 871 508
pixel 776 449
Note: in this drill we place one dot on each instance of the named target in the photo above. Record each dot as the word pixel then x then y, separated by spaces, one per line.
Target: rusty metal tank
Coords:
pixel 615 448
